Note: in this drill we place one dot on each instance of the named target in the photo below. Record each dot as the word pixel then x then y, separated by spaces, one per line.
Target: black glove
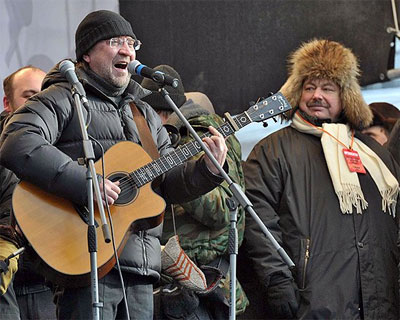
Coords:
pixel 282 302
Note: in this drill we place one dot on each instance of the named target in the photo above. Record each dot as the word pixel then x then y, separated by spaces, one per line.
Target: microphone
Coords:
pixel 135 67
pixel 67 69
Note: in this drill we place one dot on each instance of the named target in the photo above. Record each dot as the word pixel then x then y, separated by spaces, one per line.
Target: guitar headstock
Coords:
pixel 268 108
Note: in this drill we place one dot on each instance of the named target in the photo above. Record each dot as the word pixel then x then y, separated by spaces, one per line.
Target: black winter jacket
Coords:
pixel 7 185
pixel 339 258
pixel 42 141
pixel 8 181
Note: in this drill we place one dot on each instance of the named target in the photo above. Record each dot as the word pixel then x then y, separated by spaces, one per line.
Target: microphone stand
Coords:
pixel 233 250
pixel 88 160
pixel 237 192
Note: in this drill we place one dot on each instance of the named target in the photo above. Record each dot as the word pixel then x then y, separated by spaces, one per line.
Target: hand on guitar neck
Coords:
pixel 216 144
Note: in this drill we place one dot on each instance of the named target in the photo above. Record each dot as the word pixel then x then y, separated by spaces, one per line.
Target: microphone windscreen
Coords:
pixel 66 65
pixel 132 66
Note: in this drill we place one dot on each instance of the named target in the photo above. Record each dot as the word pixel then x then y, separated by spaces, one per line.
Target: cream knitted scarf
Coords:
pixel 345 182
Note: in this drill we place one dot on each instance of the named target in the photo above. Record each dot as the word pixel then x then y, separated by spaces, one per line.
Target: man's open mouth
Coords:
pixel 121 65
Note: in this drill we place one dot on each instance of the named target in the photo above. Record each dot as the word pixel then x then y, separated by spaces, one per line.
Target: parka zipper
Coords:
pixel 144 253
pixel 306 258
pixel 121 119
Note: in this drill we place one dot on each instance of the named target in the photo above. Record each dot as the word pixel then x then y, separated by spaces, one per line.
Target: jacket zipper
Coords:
pixel 144 253
pixel 306 258
pixel 120 117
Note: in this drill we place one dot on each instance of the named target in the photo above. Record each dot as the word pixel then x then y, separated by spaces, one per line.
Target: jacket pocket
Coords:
pixel 303 262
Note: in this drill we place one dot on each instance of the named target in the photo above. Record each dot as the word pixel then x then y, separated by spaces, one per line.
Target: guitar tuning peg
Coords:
pixel 270 94
pixel 259 99
pixel 274 118
pixel 265 124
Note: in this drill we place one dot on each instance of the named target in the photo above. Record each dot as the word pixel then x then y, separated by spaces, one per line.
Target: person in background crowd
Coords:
pixel 33 296
pixel 385 117
pixel 47 128
pixel 8 244
pixel 19 86
pixel 201 224
pixel 329 196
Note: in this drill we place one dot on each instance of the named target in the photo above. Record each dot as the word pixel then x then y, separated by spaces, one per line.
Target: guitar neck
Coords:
pixel 166 162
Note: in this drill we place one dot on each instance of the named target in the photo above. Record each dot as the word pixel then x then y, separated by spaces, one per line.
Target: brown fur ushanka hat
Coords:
pixel 329 60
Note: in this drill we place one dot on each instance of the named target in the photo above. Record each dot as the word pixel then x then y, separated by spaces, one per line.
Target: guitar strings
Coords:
pixel 174 156
pixel 128 182
pixel 135 179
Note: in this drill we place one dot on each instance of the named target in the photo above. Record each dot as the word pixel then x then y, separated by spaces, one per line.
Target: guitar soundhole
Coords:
pixel 128 189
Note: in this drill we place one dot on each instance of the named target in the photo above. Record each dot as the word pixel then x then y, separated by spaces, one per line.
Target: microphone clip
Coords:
pixel 160 78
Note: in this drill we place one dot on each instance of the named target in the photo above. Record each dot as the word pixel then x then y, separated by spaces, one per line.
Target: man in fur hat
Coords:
pixel 329 195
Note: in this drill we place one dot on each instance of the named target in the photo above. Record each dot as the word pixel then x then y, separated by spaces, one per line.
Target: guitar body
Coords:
pixel 58 234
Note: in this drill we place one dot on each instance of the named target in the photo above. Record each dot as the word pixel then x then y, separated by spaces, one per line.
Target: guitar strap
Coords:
pixel 144 133
pixel 146 138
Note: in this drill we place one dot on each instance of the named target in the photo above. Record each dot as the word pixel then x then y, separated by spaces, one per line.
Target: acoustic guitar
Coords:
pixel 57 229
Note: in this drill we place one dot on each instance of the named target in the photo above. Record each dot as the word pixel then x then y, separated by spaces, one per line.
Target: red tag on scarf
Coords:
pixel 353 161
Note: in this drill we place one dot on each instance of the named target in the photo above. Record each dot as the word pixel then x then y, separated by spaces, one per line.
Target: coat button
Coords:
pixel 360 245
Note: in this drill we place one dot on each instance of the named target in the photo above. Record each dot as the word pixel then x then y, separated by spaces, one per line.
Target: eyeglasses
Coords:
pixel 133 44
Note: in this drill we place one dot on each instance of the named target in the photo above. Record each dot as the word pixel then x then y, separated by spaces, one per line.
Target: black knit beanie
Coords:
pixel 100 25
pixel 155 99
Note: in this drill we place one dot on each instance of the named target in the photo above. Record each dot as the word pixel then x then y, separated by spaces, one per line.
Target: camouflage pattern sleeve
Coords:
pixel 210 209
